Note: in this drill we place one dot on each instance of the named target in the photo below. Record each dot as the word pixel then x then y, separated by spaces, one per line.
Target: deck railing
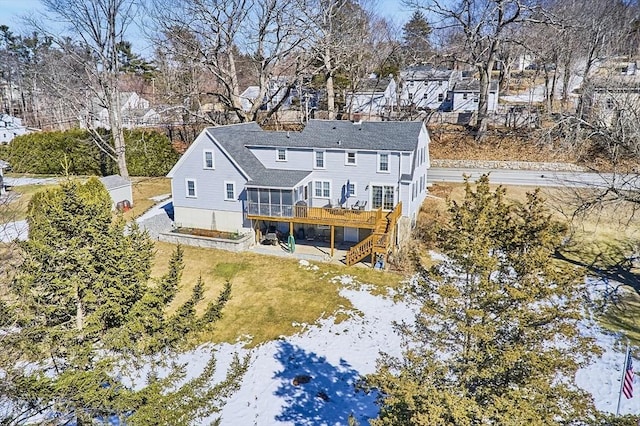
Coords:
pixel 322 215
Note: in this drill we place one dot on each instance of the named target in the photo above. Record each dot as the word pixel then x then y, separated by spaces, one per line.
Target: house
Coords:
pixel 425 87
pixel 464 95
pixel 134 111
pixel 359 183
pixel 276 92
pixel 120 191
pixel 10 127
pixel 612 94
pixel 372 96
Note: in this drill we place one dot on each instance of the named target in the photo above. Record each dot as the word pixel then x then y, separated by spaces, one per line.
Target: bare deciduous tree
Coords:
pixel 93 31
pixel 215 34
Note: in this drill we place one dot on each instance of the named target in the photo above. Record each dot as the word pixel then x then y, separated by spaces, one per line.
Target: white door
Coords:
pixel 351 235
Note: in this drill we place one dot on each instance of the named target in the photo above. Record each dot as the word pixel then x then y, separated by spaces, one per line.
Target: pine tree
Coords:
pixel 496 339
pixel 87 315
pixel 416 33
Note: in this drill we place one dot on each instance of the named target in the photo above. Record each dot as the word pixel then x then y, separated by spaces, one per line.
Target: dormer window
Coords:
pixel 281 154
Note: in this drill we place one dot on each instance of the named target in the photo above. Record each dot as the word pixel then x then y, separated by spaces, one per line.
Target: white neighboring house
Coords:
pixel 275 94
pixel 10 127
pixel 425 87
pixel 464 96
pixel 373 96
pixel 134 109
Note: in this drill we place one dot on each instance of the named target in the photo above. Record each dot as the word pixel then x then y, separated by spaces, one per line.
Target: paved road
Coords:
pixel 534 178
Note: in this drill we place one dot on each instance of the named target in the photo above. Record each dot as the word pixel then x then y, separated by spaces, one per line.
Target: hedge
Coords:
pixel 75 152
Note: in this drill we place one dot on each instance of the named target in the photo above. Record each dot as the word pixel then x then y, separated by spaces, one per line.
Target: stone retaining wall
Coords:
pixel 510 165
pixel 242 244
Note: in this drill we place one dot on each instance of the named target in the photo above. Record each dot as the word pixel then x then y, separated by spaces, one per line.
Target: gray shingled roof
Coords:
pixel 114 181
pixel 473 85
pixel 425 72
pixel 321 134
pixel 370 85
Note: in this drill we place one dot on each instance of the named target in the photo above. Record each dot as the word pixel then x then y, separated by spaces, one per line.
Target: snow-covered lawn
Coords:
pixel 334 357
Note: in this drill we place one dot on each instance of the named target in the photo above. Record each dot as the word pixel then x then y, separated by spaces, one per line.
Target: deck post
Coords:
pixel 291 229
pixel 332 239
pixel 256 231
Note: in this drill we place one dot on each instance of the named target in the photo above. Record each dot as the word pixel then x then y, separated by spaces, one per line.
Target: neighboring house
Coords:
pixel 358 180
pixel 10 127
pixel 372 96
pixel 612 94
pixel 120 191
pixel 425 87
pixel 464 96
pixel 276 92
pixel 134 111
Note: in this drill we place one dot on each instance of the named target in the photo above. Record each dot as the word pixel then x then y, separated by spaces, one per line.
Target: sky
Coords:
pixel 11 11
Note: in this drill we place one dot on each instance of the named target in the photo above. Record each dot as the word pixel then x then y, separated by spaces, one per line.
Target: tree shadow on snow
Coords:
pixel 316 392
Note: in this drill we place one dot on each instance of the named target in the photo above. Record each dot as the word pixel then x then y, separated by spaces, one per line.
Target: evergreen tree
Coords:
pixel 87 316
pixel 496 339
pixel 415 34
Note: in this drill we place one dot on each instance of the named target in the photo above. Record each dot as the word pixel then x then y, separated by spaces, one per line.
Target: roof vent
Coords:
pixel 288 134
pixel 339 142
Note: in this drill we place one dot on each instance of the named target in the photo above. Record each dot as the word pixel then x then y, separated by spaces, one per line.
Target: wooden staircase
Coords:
pixel 380 242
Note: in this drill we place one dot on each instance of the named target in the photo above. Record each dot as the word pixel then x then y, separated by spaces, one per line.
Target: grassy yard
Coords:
pixel 15 207
pixel 143 189
pixel 271 296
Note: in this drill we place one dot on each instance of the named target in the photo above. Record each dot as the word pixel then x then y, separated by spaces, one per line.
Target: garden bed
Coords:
pixel 231 241
pixel 210 233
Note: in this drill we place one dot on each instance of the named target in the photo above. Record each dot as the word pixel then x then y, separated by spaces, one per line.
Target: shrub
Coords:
pixel 76 153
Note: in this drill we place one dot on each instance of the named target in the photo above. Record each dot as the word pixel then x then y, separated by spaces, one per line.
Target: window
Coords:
pixel 191 188
pixel 465 96
pixel 425 96
pixel 208 160
pixel 322 188
pixel 440 97
pixel 281 154
pixel 351 190
pixel 350 158
pixel 410 96
pixel 382 196
pixel 383 162
pixel 230 191
pixel 475 99
pixel 319 159
pixel 440 82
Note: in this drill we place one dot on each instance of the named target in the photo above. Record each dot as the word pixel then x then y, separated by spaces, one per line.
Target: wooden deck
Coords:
pixel 317 216
pixel 381 242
